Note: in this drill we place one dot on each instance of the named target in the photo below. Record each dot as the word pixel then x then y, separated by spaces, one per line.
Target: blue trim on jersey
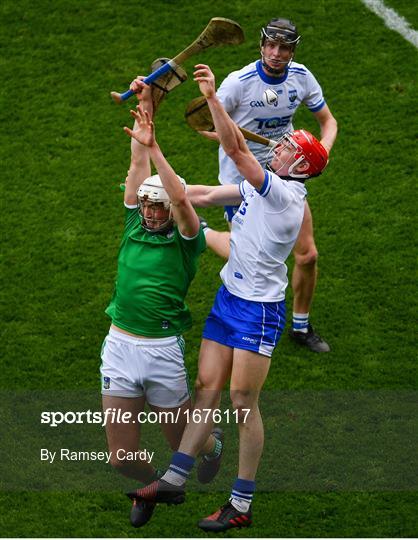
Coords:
pixel 298 70
pixel 266 78
pixel 229 212
pixel 248 75
pixel 241 189
pixel 265 188
pixel 242 324
pixel 317 107
pixel 318 102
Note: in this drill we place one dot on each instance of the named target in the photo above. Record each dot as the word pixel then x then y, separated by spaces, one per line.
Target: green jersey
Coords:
pixel 154 274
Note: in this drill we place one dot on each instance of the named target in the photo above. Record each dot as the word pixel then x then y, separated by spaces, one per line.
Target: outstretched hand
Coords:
pixel 142 90
pixel 206 79
pixel 144 128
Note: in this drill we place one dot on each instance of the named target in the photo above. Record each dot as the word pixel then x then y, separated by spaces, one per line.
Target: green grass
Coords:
pixel 286 515
pixel 63 154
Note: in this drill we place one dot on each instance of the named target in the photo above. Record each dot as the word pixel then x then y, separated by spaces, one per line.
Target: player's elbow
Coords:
pixel 334 124
pixel 307 258
pixel 198 195
pixel 201 201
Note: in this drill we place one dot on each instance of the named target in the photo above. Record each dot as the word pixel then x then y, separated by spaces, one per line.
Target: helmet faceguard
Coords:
pixel 304 147
pixel 282 32
pixel 152 192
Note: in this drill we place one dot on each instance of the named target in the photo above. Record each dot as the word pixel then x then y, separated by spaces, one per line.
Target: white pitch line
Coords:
pixel 393 21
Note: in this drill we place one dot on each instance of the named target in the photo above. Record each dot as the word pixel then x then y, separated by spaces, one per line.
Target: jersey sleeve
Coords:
pixel 244 188
pixel 195 245
pixel 191 249
pixel 131 217
pixel 229 93
pixel 274 190
pixel 314 98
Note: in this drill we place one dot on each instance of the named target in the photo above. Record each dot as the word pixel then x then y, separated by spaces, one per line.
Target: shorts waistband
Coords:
pixel 152 342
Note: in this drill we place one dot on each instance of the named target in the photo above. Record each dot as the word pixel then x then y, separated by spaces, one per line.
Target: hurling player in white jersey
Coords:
pixel 248 314
pixel 263 97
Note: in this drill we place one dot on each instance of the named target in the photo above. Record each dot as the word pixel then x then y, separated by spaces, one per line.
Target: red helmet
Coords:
pixel 307 148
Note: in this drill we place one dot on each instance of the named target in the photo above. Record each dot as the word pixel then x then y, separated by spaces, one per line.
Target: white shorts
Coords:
pixel 135 367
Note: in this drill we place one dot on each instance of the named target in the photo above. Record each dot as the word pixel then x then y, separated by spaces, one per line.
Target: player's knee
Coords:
pixel 206 386
pixel 307 258
pixel 206 396
pixel 241 403
pixel 199 384
pixel 201 388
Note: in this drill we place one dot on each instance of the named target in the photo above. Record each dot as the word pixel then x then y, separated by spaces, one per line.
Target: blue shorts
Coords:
pixel 229 213
pixel 241 324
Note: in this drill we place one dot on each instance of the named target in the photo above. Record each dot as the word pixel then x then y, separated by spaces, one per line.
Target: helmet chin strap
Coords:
pixel 271 70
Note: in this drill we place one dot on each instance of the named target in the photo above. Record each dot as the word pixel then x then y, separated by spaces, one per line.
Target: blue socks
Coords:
pixel 179 469
pixel 242 494
pixel 300 322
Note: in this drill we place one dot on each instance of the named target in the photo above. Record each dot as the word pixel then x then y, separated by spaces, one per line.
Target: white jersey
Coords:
pixel 264 231
pixel 242 95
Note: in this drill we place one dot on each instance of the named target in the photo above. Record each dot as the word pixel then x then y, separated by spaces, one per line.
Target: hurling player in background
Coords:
pixel 143 354
pixel 248 315
pixel 263 97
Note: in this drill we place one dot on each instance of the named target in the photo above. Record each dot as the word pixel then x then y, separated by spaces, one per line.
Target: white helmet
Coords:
pixel 152 190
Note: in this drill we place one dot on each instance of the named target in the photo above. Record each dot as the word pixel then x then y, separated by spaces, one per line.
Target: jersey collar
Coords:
pixel 269 79
pixel 290 178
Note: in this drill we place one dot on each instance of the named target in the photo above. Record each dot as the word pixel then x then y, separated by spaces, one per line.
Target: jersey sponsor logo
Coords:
pixel 271 123
pixel 250 340
pixel 256 103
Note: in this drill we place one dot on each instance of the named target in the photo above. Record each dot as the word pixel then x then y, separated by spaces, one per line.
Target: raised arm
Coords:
pixel 139 168
pixel 328 126
pixel 183 211
pixel 204 196
pixel 230 137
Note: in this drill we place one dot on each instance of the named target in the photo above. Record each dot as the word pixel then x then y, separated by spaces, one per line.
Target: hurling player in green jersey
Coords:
pixel 143 354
